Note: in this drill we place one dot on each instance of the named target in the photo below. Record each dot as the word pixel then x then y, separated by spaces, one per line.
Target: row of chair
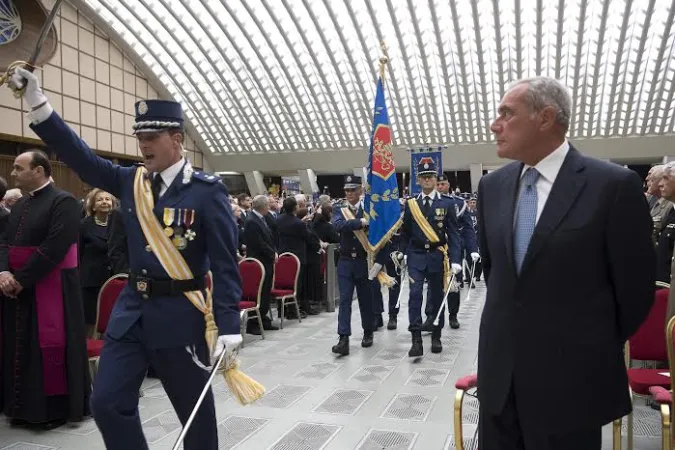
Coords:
pixel 652 342
pixel 252 273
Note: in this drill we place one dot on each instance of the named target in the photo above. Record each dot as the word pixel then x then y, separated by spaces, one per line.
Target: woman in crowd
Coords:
pixel 94 263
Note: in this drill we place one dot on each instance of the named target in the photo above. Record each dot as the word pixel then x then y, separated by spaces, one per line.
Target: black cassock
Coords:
pixel 43 354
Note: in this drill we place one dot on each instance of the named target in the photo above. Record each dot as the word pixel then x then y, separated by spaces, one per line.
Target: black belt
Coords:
pixel 352 255
pixel 428 247
pixel 151 287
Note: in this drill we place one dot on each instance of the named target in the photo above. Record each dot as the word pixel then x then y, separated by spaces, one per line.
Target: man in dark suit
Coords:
pixel 260 245
pixel 549 219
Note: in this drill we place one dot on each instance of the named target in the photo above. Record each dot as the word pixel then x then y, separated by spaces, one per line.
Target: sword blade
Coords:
pixel 214 371
pixel 44 33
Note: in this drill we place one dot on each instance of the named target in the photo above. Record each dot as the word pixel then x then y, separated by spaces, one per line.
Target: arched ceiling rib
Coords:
pixel 294 75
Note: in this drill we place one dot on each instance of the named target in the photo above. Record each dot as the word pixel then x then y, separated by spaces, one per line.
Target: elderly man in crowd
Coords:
pixel 260 244
pixel 658 205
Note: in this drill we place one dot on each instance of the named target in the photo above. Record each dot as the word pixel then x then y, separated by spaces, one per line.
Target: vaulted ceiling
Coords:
pixel 296 75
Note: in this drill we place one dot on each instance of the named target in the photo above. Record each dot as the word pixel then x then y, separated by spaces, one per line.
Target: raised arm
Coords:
pixel 58 136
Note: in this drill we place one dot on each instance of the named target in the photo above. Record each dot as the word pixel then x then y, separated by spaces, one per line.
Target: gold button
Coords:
pixel 148 249
pixel 145 296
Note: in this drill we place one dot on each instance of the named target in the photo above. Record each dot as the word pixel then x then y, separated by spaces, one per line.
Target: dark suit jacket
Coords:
pixel 4 218
pixel 259 240
pixel 587 283
pixel 118 252
pixel 294 236
pixel 94 263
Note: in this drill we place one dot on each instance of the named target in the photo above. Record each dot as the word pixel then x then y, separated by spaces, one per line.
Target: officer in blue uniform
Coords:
pixel 424 258
pixel 473 214
pixel 153 322
pixel 352 268
pixel 468 244
pixel 393 252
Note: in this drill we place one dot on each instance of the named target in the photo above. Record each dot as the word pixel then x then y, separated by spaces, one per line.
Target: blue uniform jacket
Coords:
pixel 349 244
pixel 168 321
pixel 466 230
pixel 442 213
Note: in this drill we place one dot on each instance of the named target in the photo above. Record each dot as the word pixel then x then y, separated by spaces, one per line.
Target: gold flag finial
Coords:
pixel 384 59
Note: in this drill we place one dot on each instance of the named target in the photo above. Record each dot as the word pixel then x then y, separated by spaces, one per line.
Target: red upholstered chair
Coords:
pixel 663 396
pixel 285 284
pixel 252 274
pixel 107 297
pixel 648 344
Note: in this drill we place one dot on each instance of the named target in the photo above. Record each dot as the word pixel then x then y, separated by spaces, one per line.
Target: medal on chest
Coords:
pixel 178 240
pixel 169 216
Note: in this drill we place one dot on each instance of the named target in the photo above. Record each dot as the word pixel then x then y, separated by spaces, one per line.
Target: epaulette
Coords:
pixel 139 164
pixel 205 176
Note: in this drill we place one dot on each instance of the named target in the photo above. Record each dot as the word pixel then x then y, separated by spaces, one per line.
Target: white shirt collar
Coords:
pixel 433 194
pixel 170 173
pixel 550 166
pixel 40 188
pixel 358 206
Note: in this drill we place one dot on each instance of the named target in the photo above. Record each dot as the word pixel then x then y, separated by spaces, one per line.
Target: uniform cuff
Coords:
pixel 41 114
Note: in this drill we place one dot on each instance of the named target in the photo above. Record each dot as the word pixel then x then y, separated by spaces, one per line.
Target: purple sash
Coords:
pixel 50 317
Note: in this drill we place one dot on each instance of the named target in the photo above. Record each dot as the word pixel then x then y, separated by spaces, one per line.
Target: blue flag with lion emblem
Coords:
pixel 382 197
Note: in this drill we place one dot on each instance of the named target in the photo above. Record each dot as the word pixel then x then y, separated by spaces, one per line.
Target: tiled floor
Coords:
pixel 375 398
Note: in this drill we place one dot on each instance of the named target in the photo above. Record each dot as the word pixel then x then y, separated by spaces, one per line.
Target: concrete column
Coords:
pixel 476 173
pixel 254 181
pixel 667 159
pixel 308 181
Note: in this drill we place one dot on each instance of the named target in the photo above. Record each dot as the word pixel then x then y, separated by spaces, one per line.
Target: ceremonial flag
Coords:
pixel 416 155
pixel 381 201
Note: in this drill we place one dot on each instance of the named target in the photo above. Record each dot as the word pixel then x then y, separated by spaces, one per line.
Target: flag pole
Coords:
pixel 384 59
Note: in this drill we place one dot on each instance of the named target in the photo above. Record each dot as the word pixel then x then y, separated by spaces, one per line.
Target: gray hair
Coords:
pixel 656 172
pixel 543 92
pixel 665 169
pixel 300 198
pixel 259 202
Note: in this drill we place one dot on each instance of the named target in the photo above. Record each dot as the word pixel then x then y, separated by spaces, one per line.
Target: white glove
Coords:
pixel 364 223
pixel 374 271
pixel 475 256
pixel 456 268
pixel 32 94
pixel 227 342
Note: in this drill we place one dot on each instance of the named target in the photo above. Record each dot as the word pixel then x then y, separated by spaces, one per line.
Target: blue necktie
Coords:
pixel 527 215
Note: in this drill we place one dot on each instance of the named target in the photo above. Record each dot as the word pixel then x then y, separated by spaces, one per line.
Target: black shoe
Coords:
pixel 477 278
pixel 417 348
pixel 391 325
pixel 428 325
pixel 436 345
pixel 367 339
pixel 454 324
pixel 342 347
pixel 254 330
pixel 269 326
pixel 461 285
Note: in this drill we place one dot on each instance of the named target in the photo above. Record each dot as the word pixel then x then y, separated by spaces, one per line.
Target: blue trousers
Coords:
pixel 453 304
pixel 114 400
pixel 353 273
pixel 434 296
pixel 394 291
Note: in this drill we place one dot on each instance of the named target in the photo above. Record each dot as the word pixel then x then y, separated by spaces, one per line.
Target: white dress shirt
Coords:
pixel 432 195
pixel 169 174
pixel 548 169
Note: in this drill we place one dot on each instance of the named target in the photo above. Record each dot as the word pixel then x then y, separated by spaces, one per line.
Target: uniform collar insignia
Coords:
pixel 187 172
